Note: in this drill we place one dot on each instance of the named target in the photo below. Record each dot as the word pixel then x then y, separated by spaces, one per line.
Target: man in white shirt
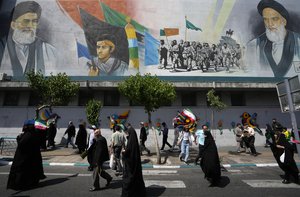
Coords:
pixel 251 132
pixel 200 137
pixel 90 153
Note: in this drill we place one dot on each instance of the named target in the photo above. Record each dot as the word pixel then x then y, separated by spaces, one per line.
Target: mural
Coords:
pixel 92 38
pixel 251 121
pixel 120 120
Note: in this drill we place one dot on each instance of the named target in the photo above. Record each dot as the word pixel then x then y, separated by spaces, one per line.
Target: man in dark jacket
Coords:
pixel 165 132
pixel 143 139
pixel 100 156
pixel 71 134
pixel 276 125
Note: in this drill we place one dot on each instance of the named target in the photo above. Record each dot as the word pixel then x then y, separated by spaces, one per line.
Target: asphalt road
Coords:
pixel 68 181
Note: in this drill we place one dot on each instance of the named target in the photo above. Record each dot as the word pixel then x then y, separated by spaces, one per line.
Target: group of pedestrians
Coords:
pixel 208 153
pixel 283 150
pixel 81 137
pixel 245 138
pixel 133 182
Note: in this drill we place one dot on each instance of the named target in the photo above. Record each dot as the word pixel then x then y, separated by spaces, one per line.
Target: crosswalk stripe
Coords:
pixel 161 166
pixel 164 184
pixel 160 172
pixel 270 184
pixel 267 165
pixel 61 164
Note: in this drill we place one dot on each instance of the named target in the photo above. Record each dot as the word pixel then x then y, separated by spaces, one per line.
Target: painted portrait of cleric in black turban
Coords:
pixel 25 51
pixel 275 52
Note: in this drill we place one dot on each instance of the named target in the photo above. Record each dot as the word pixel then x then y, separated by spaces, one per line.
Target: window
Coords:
pixel 131 103
pixel 189 99
pixel 11 98
pixel 34 99
pixel 111 98
pixel 238 99
pixel 84 97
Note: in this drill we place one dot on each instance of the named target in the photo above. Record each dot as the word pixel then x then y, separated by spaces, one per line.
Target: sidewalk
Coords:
pixel 229 158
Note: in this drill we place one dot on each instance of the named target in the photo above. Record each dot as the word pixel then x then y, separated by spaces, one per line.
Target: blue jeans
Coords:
pixel 185 149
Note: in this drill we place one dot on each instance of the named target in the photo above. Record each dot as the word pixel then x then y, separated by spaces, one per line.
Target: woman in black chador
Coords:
pixel 210 162
pixel 286 162
pixel 81 138
pixel 27 167
pixel 133 182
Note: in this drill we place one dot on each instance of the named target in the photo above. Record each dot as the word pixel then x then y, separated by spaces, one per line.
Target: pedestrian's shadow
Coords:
pixel 56 181
pixel 154 190
pixel 52 182
pixel 43 184
pixel 224 181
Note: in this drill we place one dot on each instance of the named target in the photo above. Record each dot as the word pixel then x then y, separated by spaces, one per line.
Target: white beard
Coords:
pixel 24 37
pixel 276 36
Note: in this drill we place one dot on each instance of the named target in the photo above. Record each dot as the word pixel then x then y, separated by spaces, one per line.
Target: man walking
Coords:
pixel 71 134
pixel 251 139
pixel 118 143
pixel 165 132
pixel 100 156
pixel 143 139
pixel 200 140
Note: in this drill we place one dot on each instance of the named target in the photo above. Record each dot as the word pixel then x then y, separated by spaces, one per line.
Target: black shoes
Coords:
pixel 285 181
pixel 94 189
pixel 108 181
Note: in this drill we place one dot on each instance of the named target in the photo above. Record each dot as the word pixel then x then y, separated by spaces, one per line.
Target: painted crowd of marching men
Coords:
pixel 188 56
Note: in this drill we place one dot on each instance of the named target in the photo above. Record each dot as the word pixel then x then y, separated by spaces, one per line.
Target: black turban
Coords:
pixel 26 7
pixel 274 5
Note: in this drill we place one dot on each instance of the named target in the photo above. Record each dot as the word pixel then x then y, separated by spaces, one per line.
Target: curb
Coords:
pixel 151 166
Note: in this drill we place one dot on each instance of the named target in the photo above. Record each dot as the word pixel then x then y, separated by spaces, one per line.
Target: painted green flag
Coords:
pixel 118 19
pixel 191 26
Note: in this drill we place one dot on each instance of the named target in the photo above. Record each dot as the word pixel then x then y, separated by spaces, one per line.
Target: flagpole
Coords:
pixel 185 28
pixel 77 49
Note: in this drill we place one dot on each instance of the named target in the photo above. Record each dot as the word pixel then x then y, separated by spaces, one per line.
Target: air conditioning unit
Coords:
pixel 3 76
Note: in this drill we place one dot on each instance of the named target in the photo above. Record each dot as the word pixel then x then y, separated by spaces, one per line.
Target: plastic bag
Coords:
pixel 282 157
pixel 112 163
pixel 84 154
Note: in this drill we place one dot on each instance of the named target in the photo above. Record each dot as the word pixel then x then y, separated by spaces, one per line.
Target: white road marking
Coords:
pixel 226 165
pixel 160 172
pixel 266 164
pixel 62 164
pixel 161 166
pixel 270 184
pixel 5 162
pixel 164 184
pixel 234 171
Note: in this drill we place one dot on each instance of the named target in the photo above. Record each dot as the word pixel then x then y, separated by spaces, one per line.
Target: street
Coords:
pixel 240 181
